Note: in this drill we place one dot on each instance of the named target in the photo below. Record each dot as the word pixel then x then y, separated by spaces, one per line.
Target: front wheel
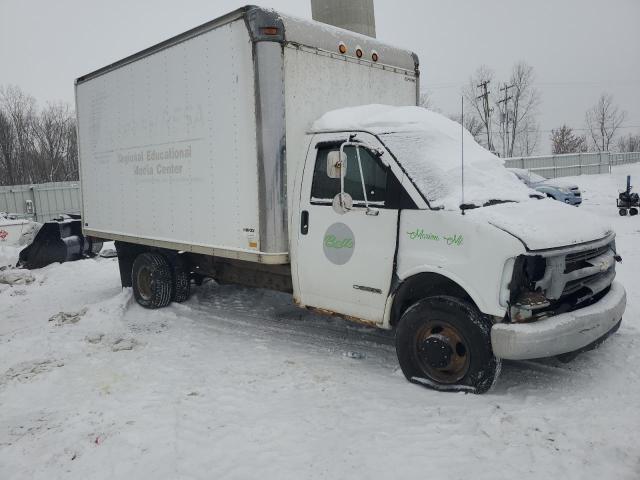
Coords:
pixel 444 343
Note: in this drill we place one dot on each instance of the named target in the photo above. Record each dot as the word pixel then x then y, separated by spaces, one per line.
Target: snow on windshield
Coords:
pixel 428 146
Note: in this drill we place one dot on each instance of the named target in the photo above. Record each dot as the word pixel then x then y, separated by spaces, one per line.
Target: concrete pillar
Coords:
pixel 355 15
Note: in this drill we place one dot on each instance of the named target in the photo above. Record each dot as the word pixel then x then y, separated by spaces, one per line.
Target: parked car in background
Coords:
pixel 555 188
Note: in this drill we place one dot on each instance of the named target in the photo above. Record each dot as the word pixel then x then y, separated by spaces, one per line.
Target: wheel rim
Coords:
pixel 144 282
pixel 442 352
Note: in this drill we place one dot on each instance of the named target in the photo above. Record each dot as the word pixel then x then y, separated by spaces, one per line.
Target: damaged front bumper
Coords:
pixel 562 333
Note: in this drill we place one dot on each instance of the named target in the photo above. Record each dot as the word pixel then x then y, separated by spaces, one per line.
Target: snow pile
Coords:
pixel 429 145
pixel 240 383
pixel 9 256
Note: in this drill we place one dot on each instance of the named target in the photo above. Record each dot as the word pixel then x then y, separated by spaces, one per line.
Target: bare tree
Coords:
pixel 476 95
pixel 35 147
pixel 519 128
pixel 52 130
pixel 426 100
pixel 19 109
pixel 527 138
pixel 630 143
pixel 564 140
pixel 8 148
pixel 603 121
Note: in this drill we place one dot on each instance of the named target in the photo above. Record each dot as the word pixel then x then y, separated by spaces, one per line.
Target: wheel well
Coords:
pixel 421 286
pixel 127 253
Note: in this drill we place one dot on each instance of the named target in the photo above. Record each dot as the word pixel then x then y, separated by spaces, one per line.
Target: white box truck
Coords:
pixel 282 153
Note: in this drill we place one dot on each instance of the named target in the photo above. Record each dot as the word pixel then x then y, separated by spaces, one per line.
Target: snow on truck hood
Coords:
pixel 428 147
pixel 542 224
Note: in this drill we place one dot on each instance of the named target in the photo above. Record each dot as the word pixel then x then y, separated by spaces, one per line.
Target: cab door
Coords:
pixel 345 260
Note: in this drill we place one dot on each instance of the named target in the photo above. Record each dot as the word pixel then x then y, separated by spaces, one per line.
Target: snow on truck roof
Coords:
pixel 428 146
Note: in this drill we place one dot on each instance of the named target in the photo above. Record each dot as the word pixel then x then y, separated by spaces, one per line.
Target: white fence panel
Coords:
pixel 41 202
pixel 572 164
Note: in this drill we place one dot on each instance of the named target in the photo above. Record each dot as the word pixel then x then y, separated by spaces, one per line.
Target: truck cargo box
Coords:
pixel 189 145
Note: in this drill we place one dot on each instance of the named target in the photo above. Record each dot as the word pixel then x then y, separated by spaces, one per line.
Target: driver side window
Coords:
pixel 324 188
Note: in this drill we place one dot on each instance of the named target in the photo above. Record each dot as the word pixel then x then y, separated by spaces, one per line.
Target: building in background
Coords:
pixel 355 15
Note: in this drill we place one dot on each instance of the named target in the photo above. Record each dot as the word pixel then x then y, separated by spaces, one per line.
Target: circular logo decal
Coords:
pixel 338 243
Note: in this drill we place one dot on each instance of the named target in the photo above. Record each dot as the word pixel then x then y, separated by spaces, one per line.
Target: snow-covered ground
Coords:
pixel 239 383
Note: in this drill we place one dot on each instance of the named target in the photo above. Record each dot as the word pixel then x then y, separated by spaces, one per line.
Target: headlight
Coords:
pixel 507 274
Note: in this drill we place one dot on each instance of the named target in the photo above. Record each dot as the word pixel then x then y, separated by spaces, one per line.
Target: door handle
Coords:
pixel 374 212
pixel 304 222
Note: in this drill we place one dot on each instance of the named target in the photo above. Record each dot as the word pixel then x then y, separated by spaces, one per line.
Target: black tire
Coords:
pixel 181 280
pixel 633 211
pixel 152 280
pixel 444 343
pixel 622 212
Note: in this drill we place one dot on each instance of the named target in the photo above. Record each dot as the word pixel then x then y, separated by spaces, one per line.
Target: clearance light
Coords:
pixel 342 48
pixel 374 56
pixel 269 30
pixel 359 52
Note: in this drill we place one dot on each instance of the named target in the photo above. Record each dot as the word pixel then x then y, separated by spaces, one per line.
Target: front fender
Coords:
pixel 468 251
pixel 453 277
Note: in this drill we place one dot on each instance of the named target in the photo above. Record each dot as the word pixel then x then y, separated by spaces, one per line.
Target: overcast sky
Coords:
pixel 579 48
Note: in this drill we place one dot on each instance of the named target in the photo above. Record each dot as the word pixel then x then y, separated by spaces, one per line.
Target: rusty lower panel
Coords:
pixel 325 311
pixel 250 274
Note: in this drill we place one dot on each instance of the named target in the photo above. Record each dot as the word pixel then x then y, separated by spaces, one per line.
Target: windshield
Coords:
pixel 432 159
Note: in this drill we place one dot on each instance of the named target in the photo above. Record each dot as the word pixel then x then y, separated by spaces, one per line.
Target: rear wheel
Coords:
pixel 444 343
pixel 181 280
pixel 152 280
pixel 633 211
pixel 622 212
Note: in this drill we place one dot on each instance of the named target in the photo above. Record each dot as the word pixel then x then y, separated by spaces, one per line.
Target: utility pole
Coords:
pixel 505 101
pixel 487 110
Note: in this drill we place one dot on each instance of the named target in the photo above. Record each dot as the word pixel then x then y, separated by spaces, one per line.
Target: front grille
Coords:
pixel 579 273
pixel 576 261
pixel 574 286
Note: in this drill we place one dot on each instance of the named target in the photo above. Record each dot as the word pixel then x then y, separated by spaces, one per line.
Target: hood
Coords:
pixel 543 224
pixel 558 183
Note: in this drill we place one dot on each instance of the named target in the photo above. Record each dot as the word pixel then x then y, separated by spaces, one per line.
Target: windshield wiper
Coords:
pixel 494 201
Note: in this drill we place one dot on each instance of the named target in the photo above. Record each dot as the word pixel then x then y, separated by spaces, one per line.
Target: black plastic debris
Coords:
pixel 60 240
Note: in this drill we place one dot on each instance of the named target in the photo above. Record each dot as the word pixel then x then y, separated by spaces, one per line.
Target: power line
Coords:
pixel 505 121
pixel 487 110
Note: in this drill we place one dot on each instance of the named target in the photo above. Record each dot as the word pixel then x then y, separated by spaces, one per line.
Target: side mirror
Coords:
pixel 336 164
pixel 342 203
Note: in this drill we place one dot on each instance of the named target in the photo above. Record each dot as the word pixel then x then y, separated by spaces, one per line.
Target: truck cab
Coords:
pixel 381 234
